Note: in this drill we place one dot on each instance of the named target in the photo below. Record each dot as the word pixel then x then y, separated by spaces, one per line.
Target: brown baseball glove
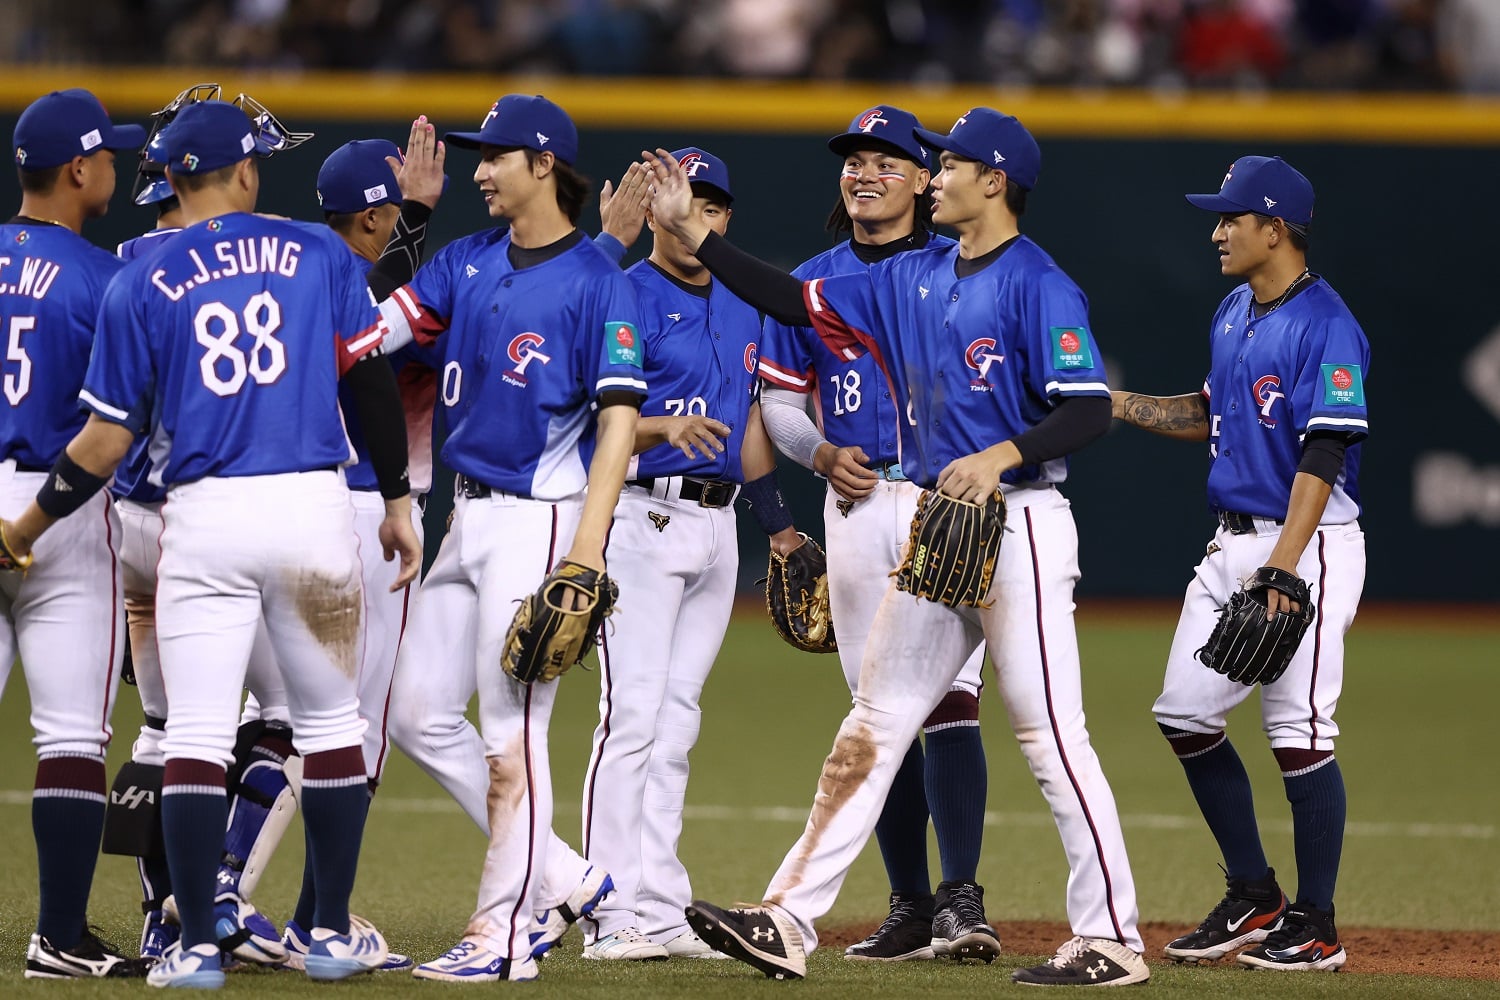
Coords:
pixel 547 636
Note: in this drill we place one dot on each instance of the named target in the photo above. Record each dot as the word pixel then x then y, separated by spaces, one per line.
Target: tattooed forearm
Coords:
pixel 1174 416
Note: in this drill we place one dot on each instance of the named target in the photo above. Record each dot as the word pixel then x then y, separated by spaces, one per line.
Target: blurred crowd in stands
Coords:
pixel 1162 44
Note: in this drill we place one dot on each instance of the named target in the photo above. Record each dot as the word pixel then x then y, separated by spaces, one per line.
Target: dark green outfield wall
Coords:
pixel 1410 236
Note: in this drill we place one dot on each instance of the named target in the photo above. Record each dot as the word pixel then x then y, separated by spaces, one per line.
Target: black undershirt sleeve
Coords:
pixel 764 286
pixel 1323 455
pixel 1073 423
pixel 377 402
pixel 403 254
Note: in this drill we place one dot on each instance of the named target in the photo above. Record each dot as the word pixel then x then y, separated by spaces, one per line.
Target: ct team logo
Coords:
pixel 752 355
pixel 490 116
pixel 692 163
pixel 980 355
pixel 1267 392
pixel 522 351
pixel 871 118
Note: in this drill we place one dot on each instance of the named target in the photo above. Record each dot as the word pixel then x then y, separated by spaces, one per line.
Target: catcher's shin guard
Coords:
pixel 132 819
pixel 265 802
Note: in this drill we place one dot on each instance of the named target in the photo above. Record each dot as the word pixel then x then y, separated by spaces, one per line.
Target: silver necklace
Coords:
pixel 1277 304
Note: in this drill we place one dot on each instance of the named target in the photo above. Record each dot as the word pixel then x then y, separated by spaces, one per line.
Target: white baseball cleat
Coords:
pixel 339 956
pixel 628 945
pixel 469 961
pixel 689 945
pixel 549 926
pixel 298 942
pixel 196 968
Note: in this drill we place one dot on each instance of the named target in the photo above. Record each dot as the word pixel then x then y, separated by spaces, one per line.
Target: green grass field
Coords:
pixel 1423 846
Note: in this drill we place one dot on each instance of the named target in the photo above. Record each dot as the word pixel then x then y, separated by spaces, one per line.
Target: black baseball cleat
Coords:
pixel 959 928
pixel 1306 941
pixel 906 935
pixel 90 958
pixel 1087 962
pixel 759 936
pixel 1248 913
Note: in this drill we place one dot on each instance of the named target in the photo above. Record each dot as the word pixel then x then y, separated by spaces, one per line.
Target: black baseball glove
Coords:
pixel 547 636
pixel 797 598
pixel 1244 646
pixel 950 556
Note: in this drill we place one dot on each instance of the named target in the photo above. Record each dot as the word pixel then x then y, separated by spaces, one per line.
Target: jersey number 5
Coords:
pixel 18 383
pixel 217 328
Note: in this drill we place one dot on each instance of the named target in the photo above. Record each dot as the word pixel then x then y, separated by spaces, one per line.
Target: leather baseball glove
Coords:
pixel 9 561
pixel 547 636
pixel 950 556
pixel 797 598
pixel 1244 646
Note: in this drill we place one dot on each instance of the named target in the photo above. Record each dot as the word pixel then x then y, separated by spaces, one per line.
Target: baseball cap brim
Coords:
pixel 938 140
pixel 1217 203
pixel 465 140
pixel 847 142
pixel 123 137
pixel 708 189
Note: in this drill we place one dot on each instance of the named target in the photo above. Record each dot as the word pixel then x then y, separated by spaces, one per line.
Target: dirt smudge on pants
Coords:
pixel 332 610
pixel 507 792
pixel 847 768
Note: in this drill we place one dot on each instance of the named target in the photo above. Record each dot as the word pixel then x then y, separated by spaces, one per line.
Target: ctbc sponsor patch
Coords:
pixel 1070 348
pixel 623 344
pixel 1343 385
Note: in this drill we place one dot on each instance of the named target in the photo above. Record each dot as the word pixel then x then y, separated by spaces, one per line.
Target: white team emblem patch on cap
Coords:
pixel 374 194
pixel 542 140
pixel 91 138
pixel 247 143
pixel 1269 203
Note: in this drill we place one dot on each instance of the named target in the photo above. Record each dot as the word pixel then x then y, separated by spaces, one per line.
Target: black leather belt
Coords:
pixel 1241 524
pixel 706 492
pixel 473 489
pixel 26 467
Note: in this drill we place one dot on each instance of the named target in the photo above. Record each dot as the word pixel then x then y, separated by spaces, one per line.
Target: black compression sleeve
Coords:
pixel 377 401
pixel 403 254
pixel 764 286
pixel 1323 456
pixel 1073 423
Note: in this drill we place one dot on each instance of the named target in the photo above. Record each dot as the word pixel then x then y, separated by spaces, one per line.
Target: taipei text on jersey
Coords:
pixel 700 359
pixel 227 344
pixel 854 397
pixel 133 478
pixel 979 359
pixel 525 355
pixel 51 281
pixel 1298 369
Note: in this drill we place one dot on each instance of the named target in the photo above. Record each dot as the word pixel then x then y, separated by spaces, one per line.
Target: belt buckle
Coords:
pixel 716 494
pixel 891 472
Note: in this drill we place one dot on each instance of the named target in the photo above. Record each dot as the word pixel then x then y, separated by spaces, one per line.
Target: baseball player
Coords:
pixel 857 444
pixel 1283 412
pixel 928 315
pixel 674 552
pixel 264 750
pixel 64 617
pixel 538 336
pixel 244 414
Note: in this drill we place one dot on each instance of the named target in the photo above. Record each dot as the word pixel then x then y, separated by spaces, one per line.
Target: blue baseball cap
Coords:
pixel 704 167
pixel 204 137
pixel 883 127
pixel 66 123
pixel 1265 185
pixel 518 120
pixel 356 177
pixel 996 140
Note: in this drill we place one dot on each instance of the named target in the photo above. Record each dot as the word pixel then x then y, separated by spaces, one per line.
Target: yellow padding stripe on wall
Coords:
pixel 455 101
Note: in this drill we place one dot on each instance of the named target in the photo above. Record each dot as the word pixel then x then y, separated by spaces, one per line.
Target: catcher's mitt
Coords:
pixel 10 562
pixel 1244 646
pixel 797 598
pixel 950 556
pixel 547 637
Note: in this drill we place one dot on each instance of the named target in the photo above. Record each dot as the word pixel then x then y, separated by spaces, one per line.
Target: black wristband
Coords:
pixel 377 405
pixel 68 487
pixel 767 504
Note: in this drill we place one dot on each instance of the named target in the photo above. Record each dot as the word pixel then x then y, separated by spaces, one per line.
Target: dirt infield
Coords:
pixel 1387 951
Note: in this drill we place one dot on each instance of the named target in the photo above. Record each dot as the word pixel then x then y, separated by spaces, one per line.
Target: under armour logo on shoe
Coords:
pixel 1095 971
pixel 756 932
pixel 660 520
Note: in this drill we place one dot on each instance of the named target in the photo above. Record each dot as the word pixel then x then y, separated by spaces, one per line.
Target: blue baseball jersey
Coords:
pixel 525 355
pixel 226 344
pixel 854 400
pixel 361 474
pixel 51 281
pixel 144 243
pixel 1298 369
pixel 978 359
pixel 700 359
